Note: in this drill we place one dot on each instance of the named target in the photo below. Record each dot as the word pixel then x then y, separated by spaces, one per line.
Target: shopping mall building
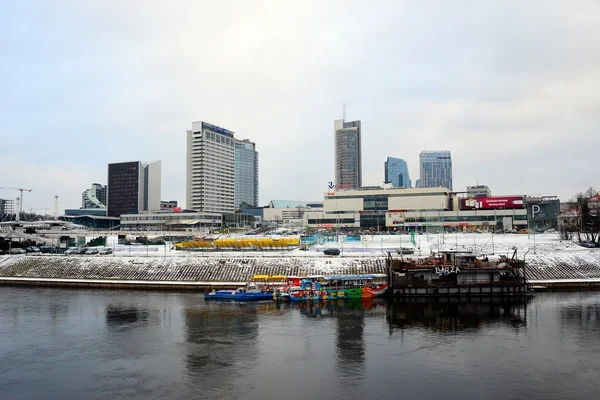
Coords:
pixel 429 209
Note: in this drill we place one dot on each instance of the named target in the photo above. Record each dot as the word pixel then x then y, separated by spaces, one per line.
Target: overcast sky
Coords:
pixel 512 89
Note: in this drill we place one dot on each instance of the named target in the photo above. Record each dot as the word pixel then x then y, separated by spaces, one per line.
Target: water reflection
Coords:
pixel 456 314
pixel 221 342
pixel 123 317
pixel 581 321
pixel 349 318
pixel 328 309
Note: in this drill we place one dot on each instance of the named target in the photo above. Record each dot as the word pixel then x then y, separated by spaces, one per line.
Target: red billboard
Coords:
pixel 492 203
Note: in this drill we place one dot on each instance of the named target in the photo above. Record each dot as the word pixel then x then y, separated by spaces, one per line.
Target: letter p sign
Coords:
pixel 535 209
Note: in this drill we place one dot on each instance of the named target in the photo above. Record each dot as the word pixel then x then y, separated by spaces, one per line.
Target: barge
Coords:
pixel 452 273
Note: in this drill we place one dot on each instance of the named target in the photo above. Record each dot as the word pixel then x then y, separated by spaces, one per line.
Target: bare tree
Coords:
pixel 586 224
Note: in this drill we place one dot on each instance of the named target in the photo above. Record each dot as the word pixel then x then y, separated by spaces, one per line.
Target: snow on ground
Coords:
pixel 478 243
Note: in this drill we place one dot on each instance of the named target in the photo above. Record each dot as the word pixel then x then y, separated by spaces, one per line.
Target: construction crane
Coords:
pixel 20 210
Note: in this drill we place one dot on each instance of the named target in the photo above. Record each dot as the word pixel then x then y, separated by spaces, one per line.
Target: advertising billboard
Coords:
pixel 394 219
pixel 492 203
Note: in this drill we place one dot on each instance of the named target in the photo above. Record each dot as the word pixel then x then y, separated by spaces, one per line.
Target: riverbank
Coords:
pixel 554 271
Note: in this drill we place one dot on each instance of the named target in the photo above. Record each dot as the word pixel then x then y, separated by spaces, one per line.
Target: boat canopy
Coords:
pixel 278 277
pixel 350 277
pixel 260 277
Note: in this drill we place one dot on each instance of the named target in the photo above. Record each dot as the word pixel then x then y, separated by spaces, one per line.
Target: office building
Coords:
pixel 479 191
pixel 436 169
pixel 94 197
pixel 347 155
pixel 246 173
pixel 168 205
pixel 133 187
pixel 7 206
pixel 210 180
pixel 396 173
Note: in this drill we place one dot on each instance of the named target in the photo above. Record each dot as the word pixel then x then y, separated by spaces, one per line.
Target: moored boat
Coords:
pixel 340 288
pixel 251 293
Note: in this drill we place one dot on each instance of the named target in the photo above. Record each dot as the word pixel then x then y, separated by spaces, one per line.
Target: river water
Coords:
pixel 102 344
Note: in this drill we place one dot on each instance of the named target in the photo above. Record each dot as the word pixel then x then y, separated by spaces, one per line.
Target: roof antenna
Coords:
pixel 344 113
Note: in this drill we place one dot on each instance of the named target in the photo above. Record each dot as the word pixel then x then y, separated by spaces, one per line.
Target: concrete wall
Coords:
pixel 343 204
pixel 435 202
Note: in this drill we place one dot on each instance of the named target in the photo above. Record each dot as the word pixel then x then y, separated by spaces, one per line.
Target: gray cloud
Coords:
pixel 510 88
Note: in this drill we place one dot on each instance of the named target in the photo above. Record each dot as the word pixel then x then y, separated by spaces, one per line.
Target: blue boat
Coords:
pixel 252 293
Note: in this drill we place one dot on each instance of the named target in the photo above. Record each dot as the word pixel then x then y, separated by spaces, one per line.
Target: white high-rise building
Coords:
pixel 210 182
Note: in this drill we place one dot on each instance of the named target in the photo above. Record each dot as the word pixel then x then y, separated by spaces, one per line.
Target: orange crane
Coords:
pixel 18 216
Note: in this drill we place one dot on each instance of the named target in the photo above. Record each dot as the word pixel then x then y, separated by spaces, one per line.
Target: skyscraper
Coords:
pixel 133 187
pixel 348 163
pixel 396 172
pixel 210 182
pixel 436 169
pixel 246 173
pixel 94 197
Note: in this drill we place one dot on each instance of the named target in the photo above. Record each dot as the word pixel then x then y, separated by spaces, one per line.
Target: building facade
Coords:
pixel 418 209
pixel 7 207
pixel 210 180
pixel 396 172
pixel 168 205
pixel 94 197
pixel 347 155
pixel 478 191
pixel 133 187
pixel 289 213
pixel 436 169
pixel 100 212
pixel 167 220
pixel 246 173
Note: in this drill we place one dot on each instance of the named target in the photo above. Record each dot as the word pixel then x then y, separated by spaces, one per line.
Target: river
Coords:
pixel 101 344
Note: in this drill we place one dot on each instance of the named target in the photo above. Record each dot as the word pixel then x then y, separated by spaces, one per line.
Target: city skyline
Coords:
pixel 76 98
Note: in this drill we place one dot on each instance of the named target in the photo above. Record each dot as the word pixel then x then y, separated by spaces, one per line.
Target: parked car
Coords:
pixel 406 250
pixel 32 249
pixel 17 251
pixel 73 251
pixel 48 249
pixel 105 252
pixel 90 251
pixel 332 252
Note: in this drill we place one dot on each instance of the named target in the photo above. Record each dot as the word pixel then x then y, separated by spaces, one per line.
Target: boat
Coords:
pixel 458 273
pixel 340 287
pixel 249 293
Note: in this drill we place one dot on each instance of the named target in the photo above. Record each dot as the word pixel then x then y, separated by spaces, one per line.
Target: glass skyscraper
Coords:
pixel 436 169
pixel 347 147
pixel 396 172
pixel 246 173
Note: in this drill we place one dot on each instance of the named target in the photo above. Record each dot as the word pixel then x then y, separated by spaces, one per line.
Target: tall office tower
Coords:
pixel 396 172
pixel 210 182
pixel 348 164
pixel 94 197
pixel 246 173
pixel 133 187
pixel 436 169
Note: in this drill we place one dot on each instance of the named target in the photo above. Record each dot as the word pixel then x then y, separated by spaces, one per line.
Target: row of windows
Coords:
pixel 331 221
pixel 463 218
